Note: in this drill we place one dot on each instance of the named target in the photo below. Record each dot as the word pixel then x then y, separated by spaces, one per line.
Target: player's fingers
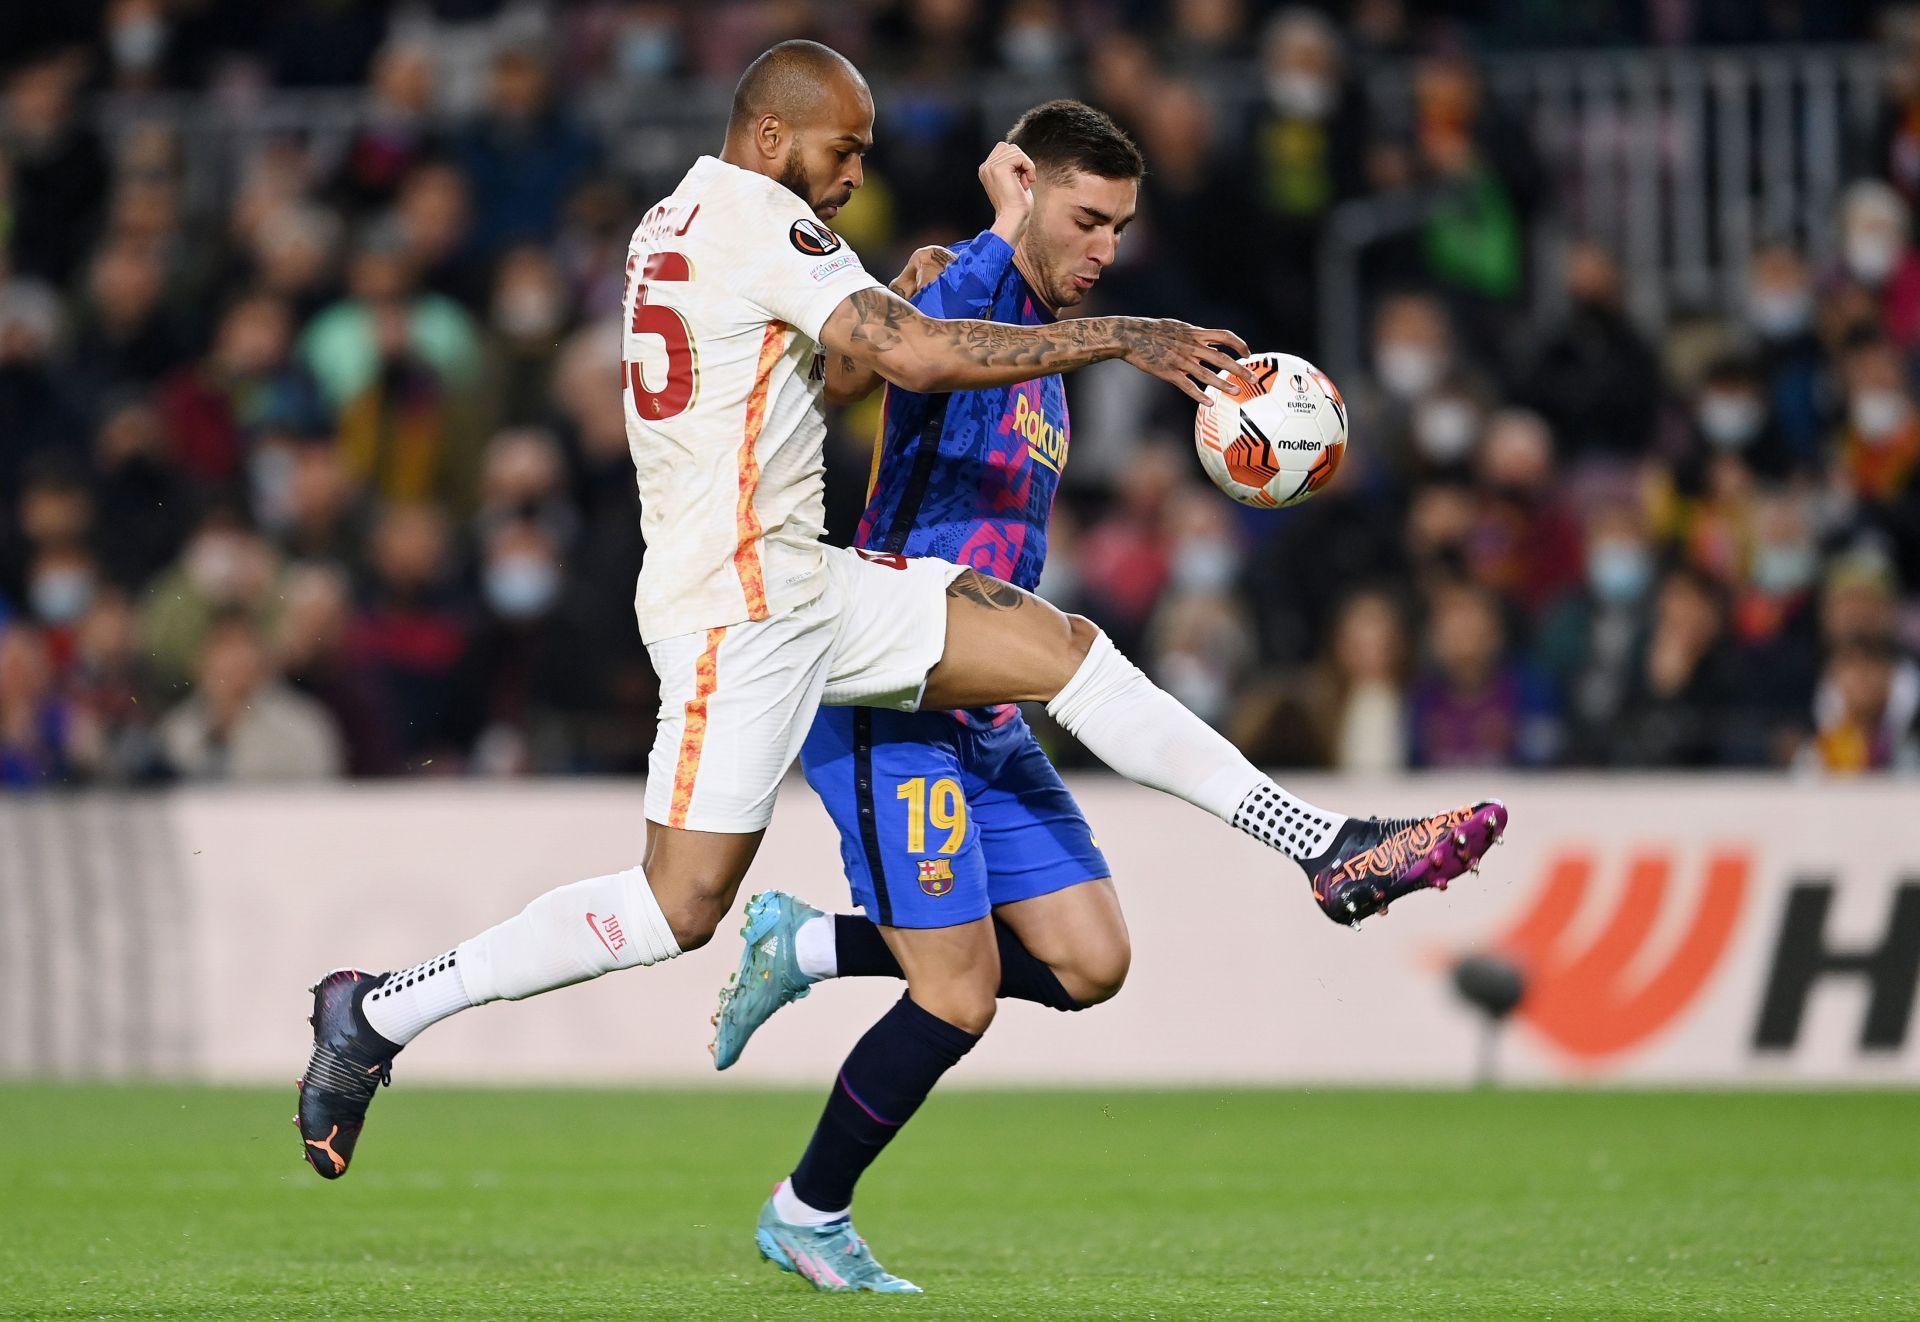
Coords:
pixel 1178 375
pixel 1227 339
pixel 1212 357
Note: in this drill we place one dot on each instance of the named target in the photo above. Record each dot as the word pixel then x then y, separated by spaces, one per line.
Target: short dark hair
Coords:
pixel 1065 136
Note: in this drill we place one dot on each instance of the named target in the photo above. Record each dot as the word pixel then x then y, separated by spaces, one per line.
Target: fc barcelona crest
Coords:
pixel 936 875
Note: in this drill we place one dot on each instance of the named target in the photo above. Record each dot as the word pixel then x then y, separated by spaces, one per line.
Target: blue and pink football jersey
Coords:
pixel 970 476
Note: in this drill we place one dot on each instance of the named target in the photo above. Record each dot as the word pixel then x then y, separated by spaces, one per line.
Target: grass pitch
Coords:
pixel 193 1204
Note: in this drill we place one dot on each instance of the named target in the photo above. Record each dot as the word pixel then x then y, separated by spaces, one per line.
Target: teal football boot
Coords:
pixel 769 975
pixel 832 1257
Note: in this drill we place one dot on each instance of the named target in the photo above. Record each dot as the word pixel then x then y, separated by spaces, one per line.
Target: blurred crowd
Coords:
pixel 330 477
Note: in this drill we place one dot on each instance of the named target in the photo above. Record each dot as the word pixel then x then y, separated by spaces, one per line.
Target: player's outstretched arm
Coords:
pixel 916 352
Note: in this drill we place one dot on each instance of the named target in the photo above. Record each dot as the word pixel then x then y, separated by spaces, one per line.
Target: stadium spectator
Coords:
pixel 39 413
pixel 1525 542
pixel 242 723
pixel 311 651
pixel 1485 179
pixel 526 320
pixel 1354 703
pixel 1865 708
pixel 127 335
pixel 398 132
pixel 1686 684
pixel 1590 642
pixel 145 505
pixel 1594 377
pixel 111 739
pixel 33 719
pixel 524 157
pixel 55 511
pixel 1126 558
pixel 57 170
pixel 226 569
pixel 1310 140
pixel 414 636
pixel 1780 308
pixel 1474 705
pixel 247 381
pixel 1877 253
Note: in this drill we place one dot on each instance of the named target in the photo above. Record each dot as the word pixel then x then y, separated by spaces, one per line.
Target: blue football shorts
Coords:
pixel 942 817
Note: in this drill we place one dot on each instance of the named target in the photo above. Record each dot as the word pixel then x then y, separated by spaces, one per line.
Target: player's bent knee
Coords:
pixel 968 1008
pixel 694 912
pixel 1097 975
pixel 1075 642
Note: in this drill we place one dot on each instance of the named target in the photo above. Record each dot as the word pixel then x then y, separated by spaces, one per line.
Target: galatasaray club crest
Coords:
pixel 936 875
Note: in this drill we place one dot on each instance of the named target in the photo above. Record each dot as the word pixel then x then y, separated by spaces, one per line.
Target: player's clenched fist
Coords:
pixel 1008 174
pixel 1191 357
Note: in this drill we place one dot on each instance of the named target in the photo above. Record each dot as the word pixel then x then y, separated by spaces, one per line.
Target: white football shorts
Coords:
pixel 736 702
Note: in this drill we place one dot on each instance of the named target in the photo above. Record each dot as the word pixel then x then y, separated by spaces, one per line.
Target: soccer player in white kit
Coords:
pixel 737 292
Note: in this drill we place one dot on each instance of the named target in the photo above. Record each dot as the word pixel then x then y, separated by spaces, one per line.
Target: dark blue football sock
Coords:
pixel 888 1074
pixel 861 952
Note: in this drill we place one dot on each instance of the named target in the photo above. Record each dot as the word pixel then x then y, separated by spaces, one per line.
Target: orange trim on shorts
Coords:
pixel 746 523
pixel 693 734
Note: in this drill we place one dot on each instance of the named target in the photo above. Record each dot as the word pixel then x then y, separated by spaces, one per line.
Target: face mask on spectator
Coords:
pixel 1871 255
pixel 1408 371
pixel 647 51
pixel 137 44
pixel 1780 570
pixel 1444 430
pixel 1781 314
pixel 527 312
pixel 522 587
pixel 270 472
pixel 1619 572
pixel 1034 47
pixel 61 596
pixel 1205 565
pixel 1303 95
pixel 1878 415
pixel 217 566
pixel 1730 421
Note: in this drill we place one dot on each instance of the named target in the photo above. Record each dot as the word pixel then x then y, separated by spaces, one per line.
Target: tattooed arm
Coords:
pixel 888 335
pixel 847 381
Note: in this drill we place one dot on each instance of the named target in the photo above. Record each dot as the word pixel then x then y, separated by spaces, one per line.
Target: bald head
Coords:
pixel 802 116
pixel 792 80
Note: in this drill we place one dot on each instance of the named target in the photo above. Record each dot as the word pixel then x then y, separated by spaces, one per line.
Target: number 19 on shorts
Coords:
pixel 942 805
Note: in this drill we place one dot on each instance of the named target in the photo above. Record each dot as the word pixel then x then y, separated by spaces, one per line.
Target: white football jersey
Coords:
pixel 729 281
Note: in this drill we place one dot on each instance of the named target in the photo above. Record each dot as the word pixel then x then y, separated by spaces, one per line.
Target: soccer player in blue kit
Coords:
pixel 977 871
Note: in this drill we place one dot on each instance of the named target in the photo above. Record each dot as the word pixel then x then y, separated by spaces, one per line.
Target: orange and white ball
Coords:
pixel 1276 443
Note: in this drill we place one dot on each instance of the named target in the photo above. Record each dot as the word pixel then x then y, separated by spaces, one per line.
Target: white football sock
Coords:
pixel 788 1207
pixel 566 936
pixel 410 1000
pixel 1141 732
pixel 814 948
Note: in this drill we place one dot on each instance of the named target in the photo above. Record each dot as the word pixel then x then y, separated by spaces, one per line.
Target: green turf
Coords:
pixel 192 1203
